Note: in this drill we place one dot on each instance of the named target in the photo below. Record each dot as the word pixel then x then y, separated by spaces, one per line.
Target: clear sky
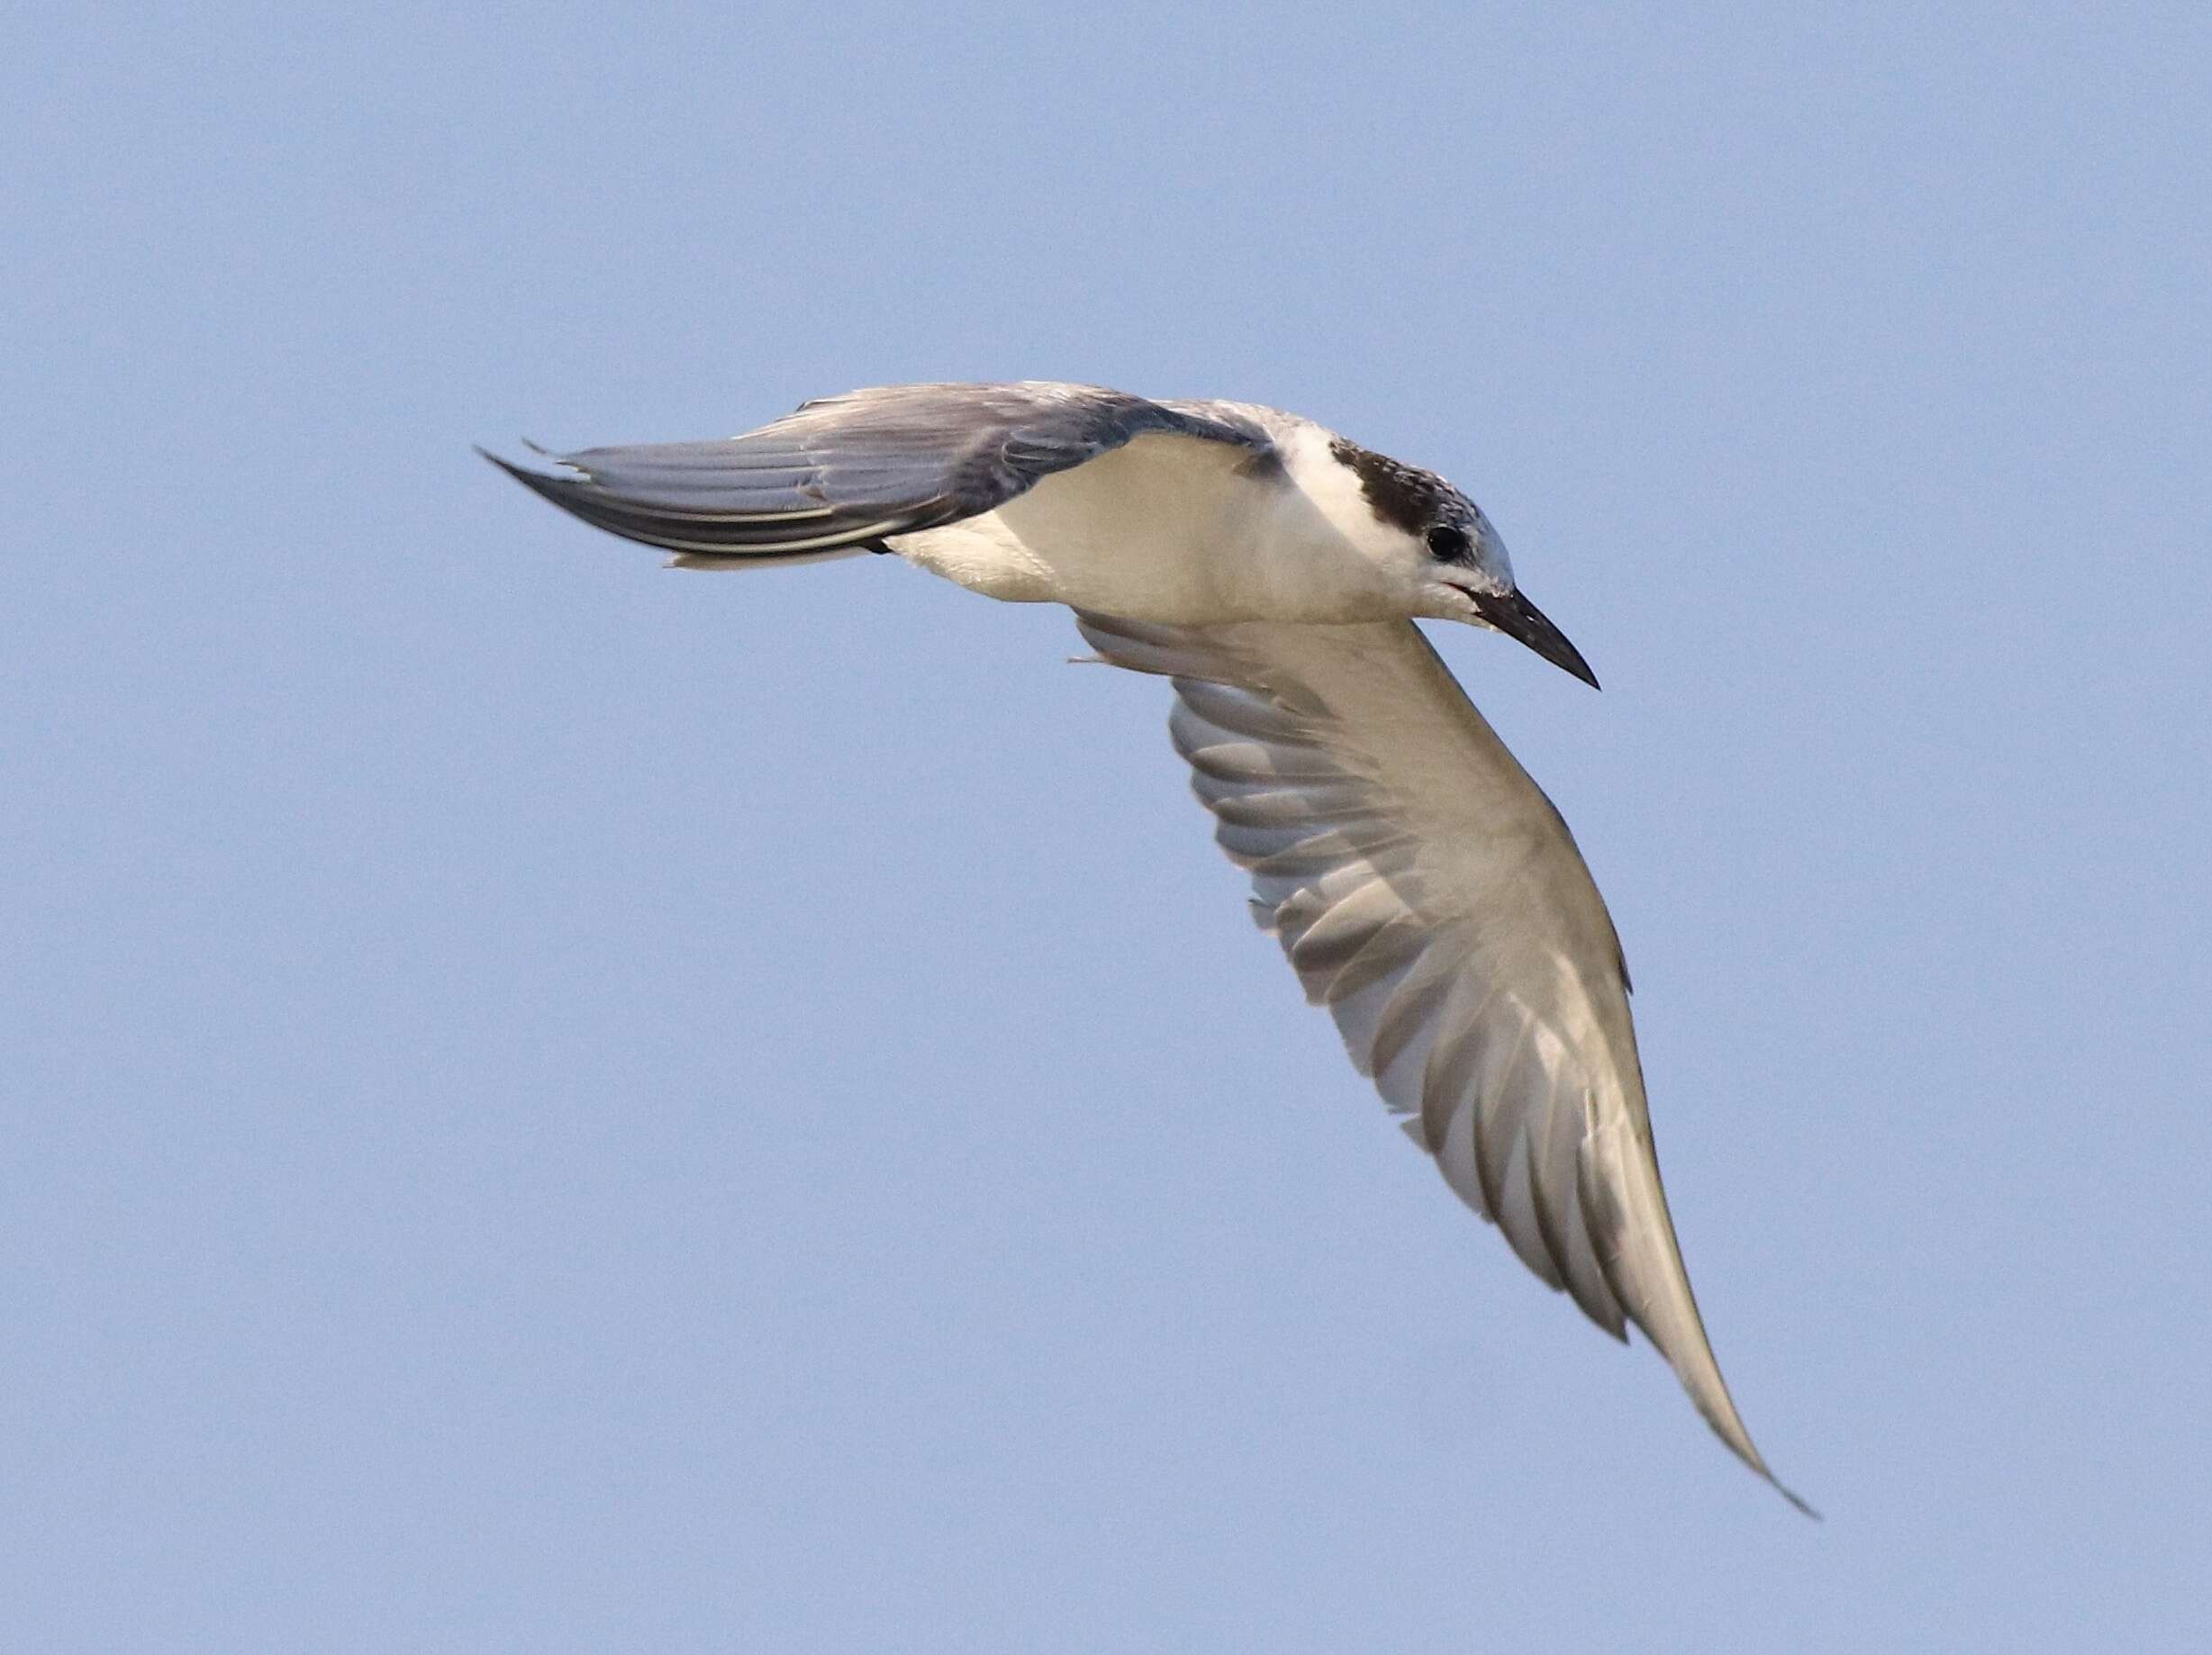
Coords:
pixel 555 1105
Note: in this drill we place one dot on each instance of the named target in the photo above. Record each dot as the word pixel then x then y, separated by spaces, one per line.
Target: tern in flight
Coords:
pixel 1425 890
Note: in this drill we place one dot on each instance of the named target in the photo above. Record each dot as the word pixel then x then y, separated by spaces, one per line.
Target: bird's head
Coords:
pixel 1451 556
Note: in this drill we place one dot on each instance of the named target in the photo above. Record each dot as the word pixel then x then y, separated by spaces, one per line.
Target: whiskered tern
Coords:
pixel 1425 889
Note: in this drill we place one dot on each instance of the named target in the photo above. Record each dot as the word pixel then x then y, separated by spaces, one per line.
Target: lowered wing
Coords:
pixel 1429 894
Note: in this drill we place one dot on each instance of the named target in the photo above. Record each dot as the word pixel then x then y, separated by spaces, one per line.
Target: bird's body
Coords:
pixel 1113 535
pixel 1423 888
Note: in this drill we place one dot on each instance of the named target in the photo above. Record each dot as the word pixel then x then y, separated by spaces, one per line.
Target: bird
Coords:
pixel 1424 889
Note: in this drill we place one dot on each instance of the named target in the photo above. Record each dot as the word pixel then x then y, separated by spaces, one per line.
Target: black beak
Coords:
pixel 1516 617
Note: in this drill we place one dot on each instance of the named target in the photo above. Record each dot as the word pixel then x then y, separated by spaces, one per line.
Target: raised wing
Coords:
pixel 1429 894
pixel 844 472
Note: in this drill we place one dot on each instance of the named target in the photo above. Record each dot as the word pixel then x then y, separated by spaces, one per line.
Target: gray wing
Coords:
pixel 844 472
pixel 1429 894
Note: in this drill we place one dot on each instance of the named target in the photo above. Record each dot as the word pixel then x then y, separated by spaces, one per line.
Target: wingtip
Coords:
pixel 1728 1425
pixel 518 473
pixel 1751 1457
pixel 1792 1496
pixel 562 490
pixel 511 467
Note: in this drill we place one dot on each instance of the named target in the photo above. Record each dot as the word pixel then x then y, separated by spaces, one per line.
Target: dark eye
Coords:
pixel 1447 544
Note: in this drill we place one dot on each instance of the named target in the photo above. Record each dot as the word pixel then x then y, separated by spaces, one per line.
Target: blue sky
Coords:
pixel 558 1104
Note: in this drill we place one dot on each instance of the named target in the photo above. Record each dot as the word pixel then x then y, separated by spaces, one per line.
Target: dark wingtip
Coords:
pixel 502 461
pixel 1794 1498
pixel 563 492
pixel 521 473
pixel 1759 1467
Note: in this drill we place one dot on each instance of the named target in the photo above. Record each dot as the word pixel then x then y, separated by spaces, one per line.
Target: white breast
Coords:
pixel 1182 530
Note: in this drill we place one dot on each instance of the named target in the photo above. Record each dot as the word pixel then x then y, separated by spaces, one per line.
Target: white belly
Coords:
pixel 1168 529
